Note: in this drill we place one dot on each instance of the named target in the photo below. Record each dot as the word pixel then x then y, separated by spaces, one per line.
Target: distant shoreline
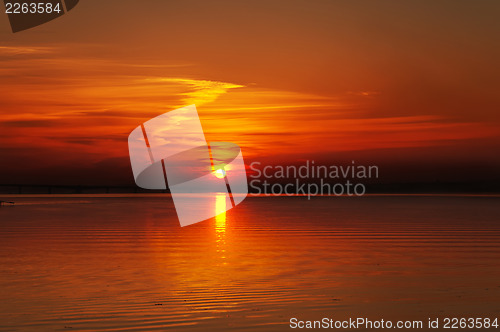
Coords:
pixel 124 195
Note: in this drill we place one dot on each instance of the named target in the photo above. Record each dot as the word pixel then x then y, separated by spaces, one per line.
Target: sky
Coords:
pixel 410 86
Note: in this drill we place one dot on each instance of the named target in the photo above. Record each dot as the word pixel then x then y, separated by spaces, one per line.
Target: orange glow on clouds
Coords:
pixel 86 105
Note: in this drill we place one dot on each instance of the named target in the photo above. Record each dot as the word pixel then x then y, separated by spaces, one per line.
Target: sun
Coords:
pixel 220 173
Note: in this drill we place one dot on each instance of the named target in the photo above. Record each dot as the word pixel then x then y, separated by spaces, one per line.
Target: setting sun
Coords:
pixel 220 173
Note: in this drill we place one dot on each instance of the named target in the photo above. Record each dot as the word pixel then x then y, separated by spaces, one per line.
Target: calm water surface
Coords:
pixel 108 264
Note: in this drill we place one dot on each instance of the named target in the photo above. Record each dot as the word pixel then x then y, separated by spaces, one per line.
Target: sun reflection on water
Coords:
pixel 220 223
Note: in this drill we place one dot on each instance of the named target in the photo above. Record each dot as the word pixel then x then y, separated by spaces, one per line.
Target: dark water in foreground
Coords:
pixel 99 264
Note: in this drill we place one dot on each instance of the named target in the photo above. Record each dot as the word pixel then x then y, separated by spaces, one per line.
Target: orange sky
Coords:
pixel 281 79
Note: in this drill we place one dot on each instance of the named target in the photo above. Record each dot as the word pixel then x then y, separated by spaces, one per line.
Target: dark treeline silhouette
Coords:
pixel 437 187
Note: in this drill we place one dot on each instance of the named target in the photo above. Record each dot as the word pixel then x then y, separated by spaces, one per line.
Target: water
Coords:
pixel 123 263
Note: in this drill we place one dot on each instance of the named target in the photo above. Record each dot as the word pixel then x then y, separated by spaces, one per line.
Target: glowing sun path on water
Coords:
pixel 220 223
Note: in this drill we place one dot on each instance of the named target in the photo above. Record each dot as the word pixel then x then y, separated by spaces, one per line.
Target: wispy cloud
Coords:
pixel 56 101
pixel 23 50
pixel 200 91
